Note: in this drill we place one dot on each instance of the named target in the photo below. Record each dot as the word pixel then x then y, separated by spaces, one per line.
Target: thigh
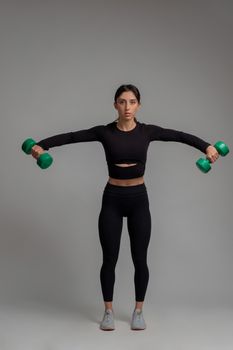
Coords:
pixel 139 224
pixel 110 224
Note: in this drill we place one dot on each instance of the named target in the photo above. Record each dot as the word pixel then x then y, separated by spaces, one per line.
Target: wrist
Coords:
pixel 208 148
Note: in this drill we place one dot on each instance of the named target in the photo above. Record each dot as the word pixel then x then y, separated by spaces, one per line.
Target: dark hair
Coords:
pixel 127 87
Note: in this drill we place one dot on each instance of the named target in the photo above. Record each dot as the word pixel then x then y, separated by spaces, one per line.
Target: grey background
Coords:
pixel 61 63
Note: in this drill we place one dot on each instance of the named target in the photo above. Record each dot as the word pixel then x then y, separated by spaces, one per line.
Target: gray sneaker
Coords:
pixel 107 324
pixel 137 322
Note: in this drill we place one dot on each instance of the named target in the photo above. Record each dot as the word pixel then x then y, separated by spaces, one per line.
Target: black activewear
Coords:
pixel 125 146
pixel 129 201
pixel 117 202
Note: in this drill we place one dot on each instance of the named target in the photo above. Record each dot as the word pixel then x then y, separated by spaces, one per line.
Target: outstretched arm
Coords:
pixel 85 135
pixel 164 134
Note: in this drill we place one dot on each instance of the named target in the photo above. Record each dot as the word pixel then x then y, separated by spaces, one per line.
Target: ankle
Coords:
pixel 108 305
pixel 139 305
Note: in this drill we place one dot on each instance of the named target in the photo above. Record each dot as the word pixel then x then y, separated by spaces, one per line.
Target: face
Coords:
pixel 127 105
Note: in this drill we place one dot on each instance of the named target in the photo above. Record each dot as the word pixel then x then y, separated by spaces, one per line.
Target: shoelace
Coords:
pixel 138 315
pixel 108 316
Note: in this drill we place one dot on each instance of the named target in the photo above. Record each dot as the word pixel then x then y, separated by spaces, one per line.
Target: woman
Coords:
pixel 125 142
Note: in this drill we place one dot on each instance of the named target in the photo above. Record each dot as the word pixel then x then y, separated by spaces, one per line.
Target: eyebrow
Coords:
pixel 132 99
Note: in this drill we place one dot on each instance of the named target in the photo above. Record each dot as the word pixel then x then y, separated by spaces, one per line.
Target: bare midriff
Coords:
pixel 126 182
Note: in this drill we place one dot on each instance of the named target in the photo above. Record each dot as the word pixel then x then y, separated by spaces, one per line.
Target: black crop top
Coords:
pixel 125 146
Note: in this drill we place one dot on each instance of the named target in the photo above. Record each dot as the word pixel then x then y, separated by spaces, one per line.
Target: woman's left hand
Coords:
pixel 212 154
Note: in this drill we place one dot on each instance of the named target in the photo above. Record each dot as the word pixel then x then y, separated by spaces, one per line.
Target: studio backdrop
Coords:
pixel 61 63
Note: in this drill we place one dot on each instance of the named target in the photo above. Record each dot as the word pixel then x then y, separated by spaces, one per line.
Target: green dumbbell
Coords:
pixel 44 160
pixel 204 164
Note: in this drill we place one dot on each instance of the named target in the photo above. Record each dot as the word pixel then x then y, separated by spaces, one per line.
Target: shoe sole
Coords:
pixel 107 329
pixel 138 329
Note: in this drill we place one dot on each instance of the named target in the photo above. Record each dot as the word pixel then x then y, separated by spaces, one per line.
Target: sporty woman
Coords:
pixel 125 142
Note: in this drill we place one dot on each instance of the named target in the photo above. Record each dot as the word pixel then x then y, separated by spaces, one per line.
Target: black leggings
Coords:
pixel 132 202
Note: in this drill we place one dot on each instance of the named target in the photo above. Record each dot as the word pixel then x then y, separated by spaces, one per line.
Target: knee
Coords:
pixel 110 261
pixel 140 262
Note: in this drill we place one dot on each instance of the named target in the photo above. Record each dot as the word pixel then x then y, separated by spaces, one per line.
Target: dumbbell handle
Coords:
pixel 36 151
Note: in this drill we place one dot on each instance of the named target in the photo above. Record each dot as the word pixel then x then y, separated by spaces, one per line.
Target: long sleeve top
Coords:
pixel 125 146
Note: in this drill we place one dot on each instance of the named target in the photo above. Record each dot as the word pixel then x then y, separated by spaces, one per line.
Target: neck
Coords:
pixel 126 125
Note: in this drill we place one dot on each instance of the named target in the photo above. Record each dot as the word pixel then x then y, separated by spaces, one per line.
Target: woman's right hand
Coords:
pixel 37 151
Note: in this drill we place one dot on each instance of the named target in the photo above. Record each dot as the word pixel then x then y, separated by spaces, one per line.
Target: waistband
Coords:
pixel 116 189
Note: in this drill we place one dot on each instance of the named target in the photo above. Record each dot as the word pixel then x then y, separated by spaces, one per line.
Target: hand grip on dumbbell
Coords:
pixel 44 160
pixel 204 164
